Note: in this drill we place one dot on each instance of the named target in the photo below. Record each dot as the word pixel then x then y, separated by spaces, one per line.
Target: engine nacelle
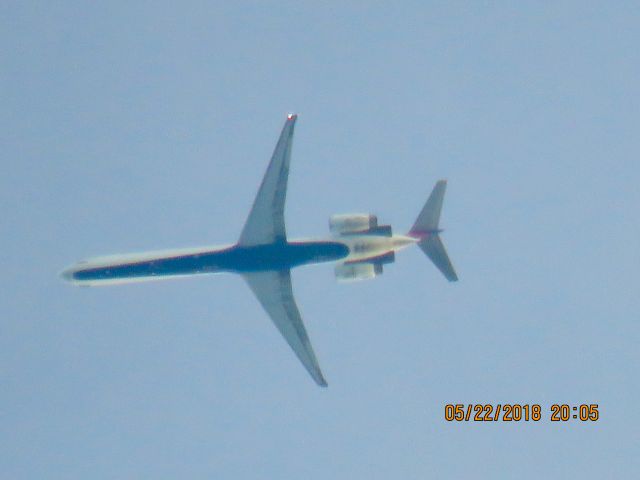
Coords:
pixel 352 223
pixel 353 272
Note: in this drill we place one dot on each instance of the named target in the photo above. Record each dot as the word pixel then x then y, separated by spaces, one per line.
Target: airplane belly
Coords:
pixel 145 266
pixel 164 265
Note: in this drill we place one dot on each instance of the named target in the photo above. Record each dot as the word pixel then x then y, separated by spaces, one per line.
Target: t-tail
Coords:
pixel 427 230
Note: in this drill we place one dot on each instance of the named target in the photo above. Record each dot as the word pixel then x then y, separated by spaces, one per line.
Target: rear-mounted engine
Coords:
pixel 356 271
pixel 357 224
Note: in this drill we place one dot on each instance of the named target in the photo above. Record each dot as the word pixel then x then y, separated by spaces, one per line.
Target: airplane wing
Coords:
pixel 265 223
pixel 273 289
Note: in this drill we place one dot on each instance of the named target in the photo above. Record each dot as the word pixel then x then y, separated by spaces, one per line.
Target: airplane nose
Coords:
pixel 67 274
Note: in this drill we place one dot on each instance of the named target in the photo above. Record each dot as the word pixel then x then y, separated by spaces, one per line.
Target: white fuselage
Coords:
pixel 179 263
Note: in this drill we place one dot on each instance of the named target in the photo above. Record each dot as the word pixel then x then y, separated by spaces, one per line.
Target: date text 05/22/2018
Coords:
pixel 516 412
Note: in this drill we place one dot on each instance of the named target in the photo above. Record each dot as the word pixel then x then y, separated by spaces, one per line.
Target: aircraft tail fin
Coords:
pixel 429 217
pixel 426 228
pixel 434 249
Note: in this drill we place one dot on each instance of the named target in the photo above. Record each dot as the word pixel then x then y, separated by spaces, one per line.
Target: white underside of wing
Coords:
pixel 265 223
pixel 273 289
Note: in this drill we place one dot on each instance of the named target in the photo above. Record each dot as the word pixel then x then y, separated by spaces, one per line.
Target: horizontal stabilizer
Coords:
pixel 427 228
pixel 433 247
pixel 429 218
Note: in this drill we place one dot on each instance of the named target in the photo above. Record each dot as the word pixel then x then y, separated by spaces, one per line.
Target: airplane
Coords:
pixel 264 256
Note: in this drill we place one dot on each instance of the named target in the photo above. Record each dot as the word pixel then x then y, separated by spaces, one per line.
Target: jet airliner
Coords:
pixel 264 256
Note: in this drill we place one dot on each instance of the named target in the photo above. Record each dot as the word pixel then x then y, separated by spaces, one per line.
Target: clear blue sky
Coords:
pixel 128 127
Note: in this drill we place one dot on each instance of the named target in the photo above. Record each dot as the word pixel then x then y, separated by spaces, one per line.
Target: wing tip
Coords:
pixel 316 373
pixel 292 116
pixel 318 377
